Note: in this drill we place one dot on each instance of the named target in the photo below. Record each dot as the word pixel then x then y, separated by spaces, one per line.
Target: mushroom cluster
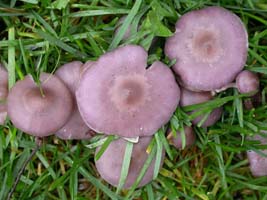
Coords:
pixel 120 95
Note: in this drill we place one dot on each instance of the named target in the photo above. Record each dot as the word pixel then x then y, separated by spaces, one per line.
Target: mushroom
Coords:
pixel 177 141
pixel 110 163
pixel 210 47
pixel 3 94
pixel 127 34
pixel 39 110
pixel 258 162
pixel 247 82
pixel 75 128
pixel 118 95
pixel 190 98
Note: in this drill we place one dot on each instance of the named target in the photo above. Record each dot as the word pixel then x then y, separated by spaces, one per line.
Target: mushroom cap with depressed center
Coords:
pixel 247 82
pixel 109 164
pixel 190 137
pixel 75 128
pixel 37 114
pixel 190 98
pixel 257 162
pixel 210 48
pixel 118 95
pixel 3 94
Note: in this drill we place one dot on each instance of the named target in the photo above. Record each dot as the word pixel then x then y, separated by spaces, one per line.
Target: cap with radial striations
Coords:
pixel 210 47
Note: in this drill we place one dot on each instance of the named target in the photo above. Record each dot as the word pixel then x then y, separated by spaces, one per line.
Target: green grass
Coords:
pixel 41 35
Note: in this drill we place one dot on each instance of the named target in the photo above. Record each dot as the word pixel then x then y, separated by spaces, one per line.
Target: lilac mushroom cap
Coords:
pixel 210 48
pixel 75 128
pixel 247 82
pixel 110 163
pixel 118 95
pixel 257 162
pixel 190 98
pixel 37 114
pixel 3 94
pixel 177 141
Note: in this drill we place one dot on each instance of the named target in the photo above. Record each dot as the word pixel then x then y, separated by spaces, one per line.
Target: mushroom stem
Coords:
pixel 38 142
pixel 229 85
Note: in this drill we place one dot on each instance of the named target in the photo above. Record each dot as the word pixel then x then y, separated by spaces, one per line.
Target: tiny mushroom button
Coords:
pixel 247 82
pixel 210 48
pixel 39 110
pixel 118 95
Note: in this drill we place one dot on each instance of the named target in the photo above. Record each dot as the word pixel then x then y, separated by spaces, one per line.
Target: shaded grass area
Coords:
pixel 41 35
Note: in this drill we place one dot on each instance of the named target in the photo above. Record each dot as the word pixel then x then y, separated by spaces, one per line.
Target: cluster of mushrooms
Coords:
pixel 120 95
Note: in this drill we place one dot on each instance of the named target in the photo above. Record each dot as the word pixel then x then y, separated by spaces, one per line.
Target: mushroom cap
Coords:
pixel 118 95
pixel 177 141
pixel 210 48
pixel 3 94
pixel 109 164
pixel 257 162
pixel 36 114
pixel 247 82
pixel 190 98
pixel 75 128
pixel 69 73
pixel 85 67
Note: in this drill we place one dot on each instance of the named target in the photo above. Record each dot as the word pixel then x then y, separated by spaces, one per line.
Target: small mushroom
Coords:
pixel 110 163
pixel 75 128
pixel 3 94
pixel 247 82
pixel 210 47
pixel 258 162
pixel 127 34
pixel 190 98
pixel 39 110
pixel 190 138
pixel 118 95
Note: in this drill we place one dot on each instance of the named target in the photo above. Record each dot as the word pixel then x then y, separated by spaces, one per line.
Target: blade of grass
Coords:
pixel 125 165
pixel 11 59
pixel 158 156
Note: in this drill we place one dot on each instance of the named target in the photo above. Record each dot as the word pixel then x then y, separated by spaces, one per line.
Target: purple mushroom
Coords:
pixel 127 34
pixel 177 141
pixel 247 82
pixel 39 110
pixel 3 94
pixel 75 128
pixel 190 98
pixel 257 162
pixel 118 95
pixel 110 163
pixel 210 48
